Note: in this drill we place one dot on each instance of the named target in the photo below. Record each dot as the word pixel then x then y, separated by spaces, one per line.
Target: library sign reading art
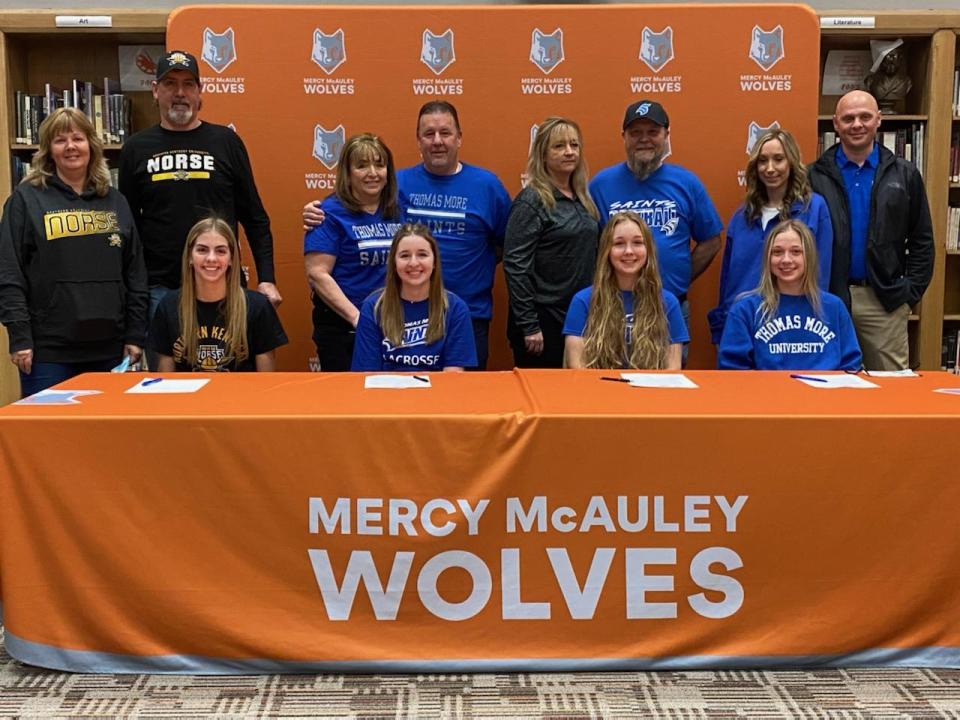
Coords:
pixel 295 82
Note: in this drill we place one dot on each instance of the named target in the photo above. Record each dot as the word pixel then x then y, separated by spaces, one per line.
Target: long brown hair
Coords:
pixel 537 175
pixel 389 307
pixel 359 148
pixel 234 305
pixel 605 337
pixel 768 290
pixel 42 165
pixel 798 186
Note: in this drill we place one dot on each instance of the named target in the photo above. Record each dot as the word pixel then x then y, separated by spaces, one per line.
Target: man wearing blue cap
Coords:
pixel 671 199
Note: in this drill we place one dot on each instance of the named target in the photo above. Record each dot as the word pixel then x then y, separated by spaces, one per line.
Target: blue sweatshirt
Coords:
pixel 740 269
pixel 793 339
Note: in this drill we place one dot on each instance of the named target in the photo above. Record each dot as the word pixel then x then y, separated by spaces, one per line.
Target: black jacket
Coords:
pixel 900 248
pixel 73 286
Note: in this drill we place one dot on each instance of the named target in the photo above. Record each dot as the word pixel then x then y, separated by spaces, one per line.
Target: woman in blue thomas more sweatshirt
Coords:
pixel 788 323
pixel 777 189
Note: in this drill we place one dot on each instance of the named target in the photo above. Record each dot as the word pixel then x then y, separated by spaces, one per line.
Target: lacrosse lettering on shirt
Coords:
pixel 412 351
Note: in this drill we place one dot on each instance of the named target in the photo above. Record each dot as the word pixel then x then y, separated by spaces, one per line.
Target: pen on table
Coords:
pixel 421 378
pixel 150 381
pixel 807 377
pixel 612 379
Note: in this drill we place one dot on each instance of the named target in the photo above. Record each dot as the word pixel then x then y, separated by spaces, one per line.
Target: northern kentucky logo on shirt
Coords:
pixel 181 165
pixel 78 223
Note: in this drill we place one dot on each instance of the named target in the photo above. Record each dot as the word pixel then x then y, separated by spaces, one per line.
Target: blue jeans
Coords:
pixel 157 294
pixel 47 374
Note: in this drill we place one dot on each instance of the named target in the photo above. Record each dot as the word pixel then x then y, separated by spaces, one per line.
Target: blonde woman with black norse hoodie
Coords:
pixel 73 288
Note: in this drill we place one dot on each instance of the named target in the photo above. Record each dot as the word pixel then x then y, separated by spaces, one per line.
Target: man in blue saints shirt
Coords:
pixel 882 234
pixel 670 199
pixel 465 207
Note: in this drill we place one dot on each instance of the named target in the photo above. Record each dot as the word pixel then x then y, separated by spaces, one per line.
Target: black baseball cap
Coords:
pixel 646 110
pixel 178 60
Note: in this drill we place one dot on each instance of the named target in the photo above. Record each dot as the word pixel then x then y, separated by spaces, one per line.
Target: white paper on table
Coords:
pixel 830 382
pixel 396 382
pixel 56 397
pixel 893 373
pixel 165 386
pixel 659 380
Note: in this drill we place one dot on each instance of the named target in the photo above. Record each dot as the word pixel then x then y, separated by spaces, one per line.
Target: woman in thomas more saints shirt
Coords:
pixel 212 323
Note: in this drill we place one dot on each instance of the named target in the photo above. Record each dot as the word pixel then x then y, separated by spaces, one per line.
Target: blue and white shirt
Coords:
pixel 372 351
pixel 673 202
pixel 795 338
pixel 467 214
pixel 360 242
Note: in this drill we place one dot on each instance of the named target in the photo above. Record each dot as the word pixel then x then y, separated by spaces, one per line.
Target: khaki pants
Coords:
pixel 882 335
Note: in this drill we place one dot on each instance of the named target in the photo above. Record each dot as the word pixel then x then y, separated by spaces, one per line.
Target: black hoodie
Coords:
pixel 73 286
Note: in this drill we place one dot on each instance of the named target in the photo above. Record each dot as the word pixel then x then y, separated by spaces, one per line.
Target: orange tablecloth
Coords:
pixel 534 519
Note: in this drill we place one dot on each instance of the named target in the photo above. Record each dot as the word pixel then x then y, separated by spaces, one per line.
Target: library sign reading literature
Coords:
pixel 296 81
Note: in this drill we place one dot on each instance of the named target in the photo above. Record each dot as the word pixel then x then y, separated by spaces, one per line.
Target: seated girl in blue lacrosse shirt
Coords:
pixel 625 319
pixel 413 323
pixel 788 323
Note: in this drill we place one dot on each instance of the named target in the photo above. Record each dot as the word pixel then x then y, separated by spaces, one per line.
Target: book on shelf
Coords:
pixel 953 230
pixel 955 156
pixel 956 92
pixel 948 349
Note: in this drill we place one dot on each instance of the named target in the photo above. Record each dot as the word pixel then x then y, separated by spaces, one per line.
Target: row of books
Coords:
pixel 905 142
pixel 20 167
pixel 953 229
pixel 108 109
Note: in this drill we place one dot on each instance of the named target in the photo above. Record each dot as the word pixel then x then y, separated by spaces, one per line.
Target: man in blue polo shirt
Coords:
pixel 465 207
pixel 670 199
pixel 882 234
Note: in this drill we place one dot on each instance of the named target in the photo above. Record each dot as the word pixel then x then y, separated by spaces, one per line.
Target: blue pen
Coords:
pixel 150 381
pixel 807 377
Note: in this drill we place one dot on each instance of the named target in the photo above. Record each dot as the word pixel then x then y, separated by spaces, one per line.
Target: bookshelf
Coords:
pixel 33 51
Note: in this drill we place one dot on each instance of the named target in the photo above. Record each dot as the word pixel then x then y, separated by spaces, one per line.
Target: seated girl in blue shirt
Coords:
pixel 788 323
pixel 413 323
pixel 625 319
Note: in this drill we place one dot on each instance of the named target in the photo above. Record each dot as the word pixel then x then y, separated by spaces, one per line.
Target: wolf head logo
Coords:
pixel 327 145
pixel 754 131
pixel 218 50
pixel 656 49
pixel 329 52
pixel 546 51
pixel 766 46
pixel 437 50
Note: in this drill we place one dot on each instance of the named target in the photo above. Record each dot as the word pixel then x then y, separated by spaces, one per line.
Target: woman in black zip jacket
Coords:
pixel 73 288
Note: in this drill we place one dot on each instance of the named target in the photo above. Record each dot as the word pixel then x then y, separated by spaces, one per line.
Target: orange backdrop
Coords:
pixel 721 78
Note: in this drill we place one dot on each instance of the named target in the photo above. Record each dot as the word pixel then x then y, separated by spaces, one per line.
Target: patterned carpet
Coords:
pixel 27 692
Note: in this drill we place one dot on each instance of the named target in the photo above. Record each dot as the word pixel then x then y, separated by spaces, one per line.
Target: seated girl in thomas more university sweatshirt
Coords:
pixel 788 323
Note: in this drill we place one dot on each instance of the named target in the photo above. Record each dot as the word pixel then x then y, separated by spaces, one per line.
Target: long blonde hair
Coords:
pixel 389 306
pixel 234 305
pixel 357 149
pixel 42 165
pixel 768 290
pixel 537 175
pixel 798 186
pixel 605 337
